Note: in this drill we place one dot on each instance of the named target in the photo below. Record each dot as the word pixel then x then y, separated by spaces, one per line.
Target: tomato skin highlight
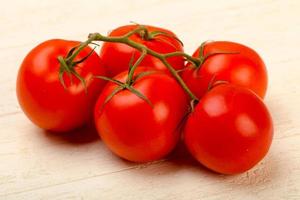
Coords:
pixel 230 130
pixel 244 68
pixel 134 130
pixel 41 94
pixel 116 56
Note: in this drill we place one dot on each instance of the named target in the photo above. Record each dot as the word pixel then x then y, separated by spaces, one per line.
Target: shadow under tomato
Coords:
pixel 181 161
pixel 178 160
pixel 83 135
pixel 182 158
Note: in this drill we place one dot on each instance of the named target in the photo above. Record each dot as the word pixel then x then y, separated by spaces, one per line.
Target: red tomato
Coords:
pixel 230 130
pixel 43 98
pixel 135 130
pixel 116 56
pixel 245 68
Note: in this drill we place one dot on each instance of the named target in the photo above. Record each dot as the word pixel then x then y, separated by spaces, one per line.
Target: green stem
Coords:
pixel 79 49
pixel 136 64
pixel 137 30
pixel 191 59
pixel 179 79
pixel 142 48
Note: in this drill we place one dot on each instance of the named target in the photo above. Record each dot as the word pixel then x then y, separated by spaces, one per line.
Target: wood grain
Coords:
pixel 39 165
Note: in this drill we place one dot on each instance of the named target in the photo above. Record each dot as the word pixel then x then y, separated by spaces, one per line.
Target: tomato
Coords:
pixel 230 129
pixel 41 94
pixel 131 127
pixel 244 67
pixel 116 56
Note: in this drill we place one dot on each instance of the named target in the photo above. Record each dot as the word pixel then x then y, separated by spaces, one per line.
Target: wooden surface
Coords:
pixel 38 165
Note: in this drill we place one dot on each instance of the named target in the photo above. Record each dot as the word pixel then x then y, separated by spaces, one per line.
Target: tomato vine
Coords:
pixel 67 67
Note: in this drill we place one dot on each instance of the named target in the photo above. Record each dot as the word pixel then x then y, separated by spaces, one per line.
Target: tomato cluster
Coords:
pixel 141 107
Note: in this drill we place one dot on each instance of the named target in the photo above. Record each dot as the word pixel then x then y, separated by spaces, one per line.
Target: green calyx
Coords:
pixel 68 63
pixel 70 71
pixel 154 34
pixel 145 34
pixel 129 81
pixel 123 86
pixel 203 57
pixel 68 66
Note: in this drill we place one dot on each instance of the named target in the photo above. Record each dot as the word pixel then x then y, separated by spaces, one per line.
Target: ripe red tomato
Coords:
pixel 230 129
pixel 244 68
pixel 116 56
pixel 135 130
pixel 41 94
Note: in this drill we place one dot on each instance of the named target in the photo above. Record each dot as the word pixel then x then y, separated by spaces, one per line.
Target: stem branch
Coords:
pixel 136 64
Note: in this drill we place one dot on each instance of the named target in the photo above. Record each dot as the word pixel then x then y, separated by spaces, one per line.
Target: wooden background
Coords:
pixel 37 165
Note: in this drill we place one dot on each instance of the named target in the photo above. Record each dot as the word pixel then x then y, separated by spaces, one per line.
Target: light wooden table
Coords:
pixel 37 165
